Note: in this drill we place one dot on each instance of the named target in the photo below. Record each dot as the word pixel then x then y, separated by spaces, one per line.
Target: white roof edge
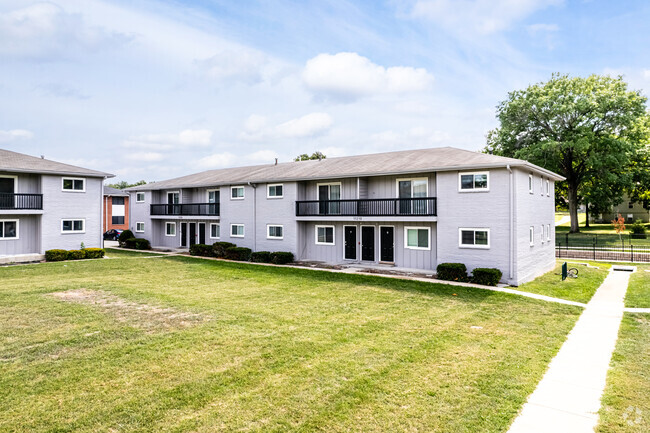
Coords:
pixel 64 173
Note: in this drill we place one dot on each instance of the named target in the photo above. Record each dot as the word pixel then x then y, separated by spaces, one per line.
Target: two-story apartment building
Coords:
pixel 47 205
pixel 408 209
pixel 116 209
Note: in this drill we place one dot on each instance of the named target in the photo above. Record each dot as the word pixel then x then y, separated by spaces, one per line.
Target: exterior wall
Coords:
pixel 636 212
pixel 386 186
pixel 107 221
pixel 140 212
pixel 276 211
pixel 348 188
pixel 29 236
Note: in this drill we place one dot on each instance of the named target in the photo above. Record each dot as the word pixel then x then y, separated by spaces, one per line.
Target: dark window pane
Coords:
pixel 2 230
pixel 467 181
pixel 67 226
pixel 10 229
pixel 118 201
pixel 480 181
pixel 79 185
pixel 67 183
pixel 467 237
pixel 278 191
pixel 118 220
pixel 423 238
pixel 481 238
pixel 329 235
pixel 78 225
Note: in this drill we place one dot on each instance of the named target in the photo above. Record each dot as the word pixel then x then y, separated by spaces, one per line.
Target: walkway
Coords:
pixel 563 220
pixel 567 399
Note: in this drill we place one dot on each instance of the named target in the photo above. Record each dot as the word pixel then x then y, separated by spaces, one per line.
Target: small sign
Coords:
pixel 565 271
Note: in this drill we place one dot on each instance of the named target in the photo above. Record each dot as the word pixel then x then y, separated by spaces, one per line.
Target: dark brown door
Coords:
pixel 192 233
pixel 350 243
pixel 202 233
pixel 387 241
pixel 368 244
pixel 183 234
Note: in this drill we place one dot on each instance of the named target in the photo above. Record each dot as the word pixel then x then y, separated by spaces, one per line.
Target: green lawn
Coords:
pixel 182 344
pixel 638 291
pixel 113 253
pixel 626 401
pixel 579 289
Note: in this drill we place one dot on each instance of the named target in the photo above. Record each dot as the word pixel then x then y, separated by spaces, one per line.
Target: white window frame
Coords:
pixel 218 231
pixel 541 234
pixel 541 185
pixel 243 188
pixel 318 185
pixel 408 247
pixel 548 188
pixel 530 184
pixel 325 227
pixel 83 180
pixel 73 231
pixel 412 179
pixel 180 196
pixel 548 232
pixel 168 224
pixel 136 227
pixel 144 197
pixel 2 221
pixel 531 235
pixel 474 229
pixel 243 231
pixel 268 231
pixel 15 178
pixel 268 190
pixel 473 189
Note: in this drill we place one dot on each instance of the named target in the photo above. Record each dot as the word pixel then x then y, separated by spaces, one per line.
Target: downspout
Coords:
pixel 254 186
pixel 512 223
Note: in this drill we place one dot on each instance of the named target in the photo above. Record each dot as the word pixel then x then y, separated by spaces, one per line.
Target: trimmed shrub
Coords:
pixel 452 272
pixel 638 230
pixel 261 257
pixel 281 258
pixel 486 276
pixel 76 254
pixel 219 248
pixel 128 243
pixel 238 253
pixel 94 253
pixel 142 244
pixel 202 250
pixel 125 236
pixel 56 255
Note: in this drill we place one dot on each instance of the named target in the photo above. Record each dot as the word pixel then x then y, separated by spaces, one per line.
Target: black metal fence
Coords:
pixel 189 209
pixel 425 206
pixel 21 201
pixel 620 253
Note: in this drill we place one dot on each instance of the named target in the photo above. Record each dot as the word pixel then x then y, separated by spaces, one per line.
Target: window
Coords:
pixel 541 185
pixel 117 210
pixel 473 182
pixel 324 235
pixel 548 232
pixel 541 233
pixel 118 201
pixel 410 189
pixel 275 191
pixel 213 196
pixel 215 231
pixel 274 232
pixel 139 227
pixel 329 195
pixel 531 235
pixel 139 197
pixel 170 229
pixel 630 205
pixel 73 226
pixel 8 229
pixel 530 183
pixel 117 220
pixel 237 193
pixel 474 238
pixel 237 230
pixel 548 187
pixel 74 184
pixel 416 238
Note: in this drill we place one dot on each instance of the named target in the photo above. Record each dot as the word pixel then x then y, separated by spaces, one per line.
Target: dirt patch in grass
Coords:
pixel 144 316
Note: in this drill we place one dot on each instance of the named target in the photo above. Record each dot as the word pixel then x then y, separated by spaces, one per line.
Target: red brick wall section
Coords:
pixel 107 221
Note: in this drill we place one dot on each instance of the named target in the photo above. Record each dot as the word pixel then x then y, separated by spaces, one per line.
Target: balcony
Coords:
pixel 21 201
pixel 189 209
pixel 381 207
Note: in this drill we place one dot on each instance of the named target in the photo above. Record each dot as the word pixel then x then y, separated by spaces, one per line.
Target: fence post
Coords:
pixel 594 246
pixel 632 253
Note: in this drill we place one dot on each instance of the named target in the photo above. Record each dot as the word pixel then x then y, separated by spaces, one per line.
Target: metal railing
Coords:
pixel 21 201
pixel 620 252
pixel 425 206
pixel 187 209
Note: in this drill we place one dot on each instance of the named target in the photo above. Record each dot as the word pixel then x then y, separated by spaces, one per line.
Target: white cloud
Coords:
pixel 533 29
pixel 478 16
pixel 305 126
pixel 184 139
pixel 255 123
pixel 646 74
pixel 349 76
pixel 241 65
pixel 262 156
pixel 45 31
pixel 15 134
pixel 217 160
pixel 147 156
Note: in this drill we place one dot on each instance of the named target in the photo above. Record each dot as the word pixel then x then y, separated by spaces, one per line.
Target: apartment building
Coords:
pixel 116 209
pixel 408 209
pixel 47 205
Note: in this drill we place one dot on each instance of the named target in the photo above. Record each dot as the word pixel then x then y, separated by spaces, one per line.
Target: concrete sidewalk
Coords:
pixel 567 399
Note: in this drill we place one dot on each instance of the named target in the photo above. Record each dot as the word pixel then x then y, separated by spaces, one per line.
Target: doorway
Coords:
pixel 202 233
pixel 387 242
pixel 7 189
pixel 350 240
pixel 192 234
pixel 184 235
pixel 368 243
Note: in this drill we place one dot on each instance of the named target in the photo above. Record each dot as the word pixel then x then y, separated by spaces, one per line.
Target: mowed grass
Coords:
pixel 85 348
pixel 579 289
pixel 115 253
pixel 626 401
pixel 638 291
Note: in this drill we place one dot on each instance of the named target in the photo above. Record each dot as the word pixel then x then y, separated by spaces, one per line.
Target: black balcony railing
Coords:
pixel 425 206
pixel 21 201
pixel 188 209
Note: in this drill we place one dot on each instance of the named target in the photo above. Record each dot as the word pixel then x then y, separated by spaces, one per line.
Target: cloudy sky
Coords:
pixel 152 89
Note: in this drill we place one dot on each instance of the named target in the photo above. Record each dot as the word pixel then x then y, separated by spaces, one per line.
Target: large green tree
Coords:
pixel 305 157
pixel 586 129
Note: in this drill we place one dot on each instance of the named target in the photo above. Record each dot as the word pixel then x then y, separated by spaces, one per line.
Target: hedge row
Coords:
pixel 230 251
pixel 128 240
pixel 86 253
pixel 458 272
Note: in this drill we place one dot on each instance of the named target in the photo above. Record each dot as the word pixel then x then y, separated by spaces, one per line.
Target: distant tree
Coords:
pixel 304 157
pixel 619 225
pixel 586 129
pixel 124 184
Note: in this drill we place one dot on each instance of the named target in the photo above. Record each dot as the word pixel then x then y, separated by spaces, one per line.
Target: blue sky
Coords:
pixel 157 89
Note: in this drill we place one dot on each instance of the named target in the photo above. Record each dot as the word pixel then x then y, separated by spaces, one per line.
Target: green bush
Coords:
pixel 638 230
pixel 202 250
pixel 94 253
pixel 76 254
pixel 128 243
pixel 56 255
pixel 125 236
pixel 219 248
pixel 452 272
pixel 238 253
pixel 142 244
pixel 486 276
pixel 261 257
pixel 281 257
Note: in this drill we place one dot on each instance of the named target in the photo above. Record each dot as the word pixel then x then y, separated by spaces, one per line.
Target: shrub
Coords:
pixel 638 230
pixel 486 276
pixel 201 250
pixel 452 272
pixel 238 253
pixel 56 255
pixel 128 243
pixel 219 248
pixel 142 244
pixel 125 236
pixel 76 254
pixel 281 258
pixel 261 257
pixel 94 253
